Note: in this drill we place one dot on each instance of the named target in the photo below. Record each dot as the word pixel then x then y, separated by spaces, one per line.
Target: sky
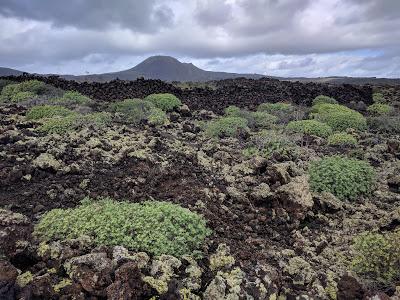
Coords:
pixel 311 38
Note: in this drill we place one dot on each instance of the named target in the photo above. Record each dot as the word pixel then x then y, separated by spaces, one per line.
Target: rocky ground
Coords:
pixel 272 237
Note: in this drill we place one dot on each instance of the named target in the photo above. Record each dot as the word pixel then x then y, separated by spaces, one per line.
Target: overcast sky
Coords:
pixel 274 37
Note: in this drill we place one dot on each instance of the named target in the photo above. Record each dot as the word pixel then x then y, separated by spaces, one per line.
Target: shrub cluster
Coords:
pixel 378 98
pixel 323 99
pixel 311 127
pixel 385 124
pixel 377 256
pixel 154 227
pixel 62 125
pixel 269 144
pixel 343 177
pixel 132 111
pixel 72 99
pixel 47 111
pixel 157 117
pixel 379 109
pixel 276 108
pixel 339 117
pixel 226 127
pixel 23 91
pixel 342 139
pixel 258 119
pixel 166 102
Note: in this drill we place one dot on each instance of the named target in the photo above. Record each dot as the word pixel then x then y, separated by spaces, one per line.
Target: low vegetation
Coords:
pixel 157 117
pixel 339 117
pixel 166 102
pixel 47 111
pixel 377 256
pixel 342 139
pixel 343 177
pixel 226 127
pixel 323 99
pixel 72 99
pixel 379 109
pixel 19 92
pixel 155 227
pixel 310 127
pixel 132 111
pixel 385 124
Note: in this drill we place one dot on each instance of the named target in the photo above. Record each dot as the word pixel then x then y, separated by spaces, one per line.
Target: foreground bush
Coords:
pixel 154 227
pixel 385 124
pixel 264 120
pixel 269 144
pixel 377 256
pixel 226 127
pixel 275 108
pixel 166 102
pixel 379 109
pixel 343 177
pixel 342 139
pixel 339 117
pixel 73 99
pixel 47 111
pixel 132 110
pixel 378 98
pixel 311 127
pixel 157 117
pixel 23 91
pixel 323 99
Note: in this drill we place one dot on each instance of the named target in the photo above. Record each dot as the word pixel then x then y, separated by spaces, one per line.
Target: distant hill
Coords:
pixel 165 68
pixel 170 69
pixel 9 72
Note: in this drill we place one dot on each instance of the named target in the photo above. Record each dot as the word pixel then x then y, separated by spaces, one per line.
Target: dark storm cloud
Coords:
pixel 143 15
pixel 213 13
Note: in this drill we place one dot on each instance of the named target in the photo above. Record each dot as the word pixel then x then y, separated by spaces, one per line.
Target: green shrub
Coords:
pixel 274 108
pixel 166 102
pixel 59 125
pixel 379 109
pixel 263 119
pixel 5 82
pixel 34 86
pixel 268 143
pixel 226 127
pixel 132 110
pixel 378 98
pixel 23 91
pixel 343 177
pixel 154 227
pixel 47 111
pixel 377 256
pixel 23 96
pixel 342 139
pixel 95 119
pixel 323 99
pixel 157 117
pixel 72 99
pixel 339 117
pixel 232 111
pixel 311 127
pixel 385 124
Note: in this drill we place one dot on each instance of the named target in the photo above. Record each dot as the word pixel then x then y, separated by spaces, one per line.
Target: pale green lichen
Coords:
pixel 24 279
pixel 221 258
pixel 62 284
pixel 331 286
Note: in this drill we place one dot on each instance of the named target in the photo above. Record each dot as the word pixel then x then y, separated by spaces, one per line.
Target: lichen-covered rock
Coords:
pixel 295 197
pixel 222 258
pixel 262 192
pixel 121 254
pixel 15 233
pixel 46 161
pixel 300 271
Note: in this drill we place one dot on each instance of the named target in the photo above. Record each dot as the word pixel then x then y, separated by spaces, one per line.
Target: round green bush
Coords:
pixel 378 98
pixel 377 256
pixel 154 227
pixel 323 99
pixel 166 102
pixel 72 99
pixel 274 108
pixel 232 111
pixel 379 109
pixel 263 119
pixel 343 177
pixel 34 86
pixel 339 117
pixel 132 110
pixel 226 127
pixel 23 96
pixel 311 127
pixel 47 111
pixel 342 139
pixel 23 91
pixel 157 117
pixel 59 125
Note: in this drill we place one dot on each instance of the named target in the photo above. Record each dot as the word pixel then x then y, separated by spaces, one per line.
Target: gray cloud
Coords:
pixel 140 15
pixel 277 37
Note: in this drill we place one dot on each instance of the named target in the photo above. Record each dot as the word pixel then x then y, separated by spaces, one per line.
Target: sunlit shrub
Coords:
pixel 311 127
pixel 379 109
pixel 342 139
pixel 226 127
pixel 132 111
pixel 166 102
pixel 47 111
pixel 323 99
pixel 157 117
